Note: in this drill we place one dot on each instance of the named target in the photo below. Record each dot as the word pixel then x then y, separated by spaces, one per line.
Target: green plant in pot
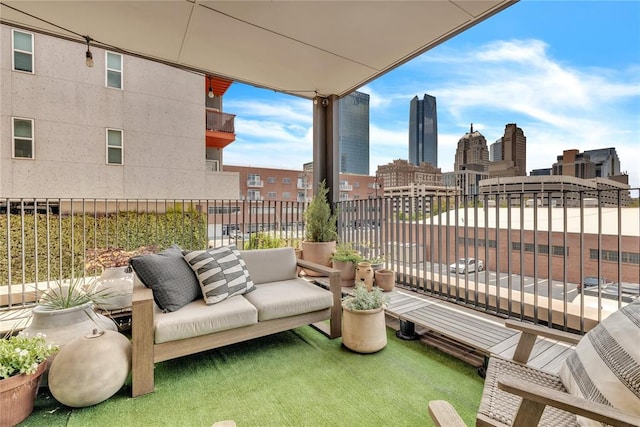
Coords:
pixel 320 229
pixel 22 363
pixel 363 320
pixel 345 259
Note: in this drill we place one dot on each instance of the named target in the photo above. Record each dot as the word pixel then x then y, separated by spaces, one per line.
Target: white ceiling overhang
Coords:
pixel 297 47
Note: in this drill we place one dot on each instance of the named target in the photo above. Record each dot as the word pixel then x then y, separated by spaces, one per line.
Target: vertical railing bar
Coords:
pixel 486 251
pixel 522 272
pixel 488 247
pixel 550 261
pixel 465 236
pixel 565 303
pixel 619 212
pixel 582 326
pixel 535 258
pixel 509 257
pixel 35 241
pixel 456 245
pixel 48 240
pixel 599 256
pixel 22 246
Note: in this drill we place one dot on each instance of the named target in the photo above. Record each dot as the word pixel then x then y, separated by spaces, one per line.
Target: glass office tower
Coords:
pixel 423 131
pixel 354 134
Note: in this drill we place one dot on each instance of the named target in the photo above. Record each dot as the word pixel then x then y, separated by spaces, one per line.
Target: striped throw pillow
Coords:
pixel 605 366
pixel 221 272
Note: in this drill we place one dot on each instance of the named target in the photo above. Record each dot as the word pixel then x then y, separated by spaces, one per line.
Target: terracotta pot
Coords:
pixel 17 395
pixel 347 272
pixel 319 253
pixel 364 331
pixel 364 273
pixel 385 279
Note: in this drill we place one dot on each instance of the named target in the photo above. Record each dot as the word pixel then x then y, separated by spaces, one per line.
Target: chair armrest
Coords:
pixel 335 286
pixel 536 397
pixel 142 336
pixel 529 334
pixel 444 414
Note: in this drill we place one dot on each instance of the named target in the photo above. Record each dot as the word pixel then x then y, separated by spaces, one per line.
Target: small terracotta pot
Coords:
pixel 385 279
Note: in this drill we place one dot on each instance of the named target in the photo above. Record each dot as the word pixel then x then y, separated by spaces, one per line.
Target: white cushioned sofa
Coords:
pixel 276 301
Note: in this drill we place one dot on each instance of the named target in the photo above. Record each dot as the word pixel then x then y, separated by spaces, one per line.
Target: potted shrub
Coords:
pixel 320 230
pixel 115 276
pixel 363 321
pixel 22 363
pixel 345 259
pixel 65 311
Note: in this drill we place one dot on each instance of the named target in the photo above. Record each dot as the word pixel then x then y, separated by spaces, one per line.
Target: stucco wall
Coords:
pixel 160 110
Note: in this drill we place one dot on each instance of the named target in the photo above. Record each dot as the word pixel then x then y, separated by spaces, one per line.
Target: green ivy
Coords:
pixel 55 246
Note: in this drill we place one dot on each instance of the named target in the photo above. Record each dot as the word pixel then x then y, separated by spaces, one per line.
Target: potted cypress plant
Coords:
pixel 363 322
pixel 320 230
pixel 345 259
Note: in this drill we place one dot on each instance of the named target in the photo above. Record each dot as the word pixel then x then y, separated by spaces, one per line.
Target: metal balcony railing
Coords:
pixel 220 122
pixel 534 257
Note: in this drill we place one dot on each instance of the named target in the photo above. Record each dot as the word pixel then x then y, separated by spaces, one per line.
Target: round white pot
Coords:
pixel 117 286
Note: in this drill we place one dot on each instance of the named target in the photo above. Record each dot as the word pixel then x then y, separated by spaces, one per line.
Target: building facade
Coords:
pixel 495 151
pixel 423 131
pixel 107 131
pixel 354 133
pixel 472 152
pixel 284 185
pixel 401 173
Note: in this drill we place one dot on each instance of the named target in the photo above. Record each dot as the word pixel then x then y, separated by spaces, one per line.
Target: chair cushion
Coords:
pixel 172 281
pixel 221 272
pixel 270 265
pixel 288 298
pixel 197 318
pixel 605 366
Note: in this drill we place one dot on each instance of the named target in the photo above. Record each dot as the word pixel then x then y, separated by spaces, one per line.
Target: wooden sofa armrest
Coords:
pixel 536 397
pixel 444 414
pixel 142 331
pixel 529 334
pixel 335 286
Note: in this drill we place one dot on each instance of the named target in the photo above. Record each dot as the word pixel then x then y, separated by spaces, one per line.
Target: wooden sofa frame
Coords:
pixel 145 353
pixel 534 397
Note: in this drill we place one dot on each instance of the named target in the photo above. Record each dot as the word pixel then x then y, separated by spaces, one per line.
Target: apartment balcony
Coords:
pixel 346 187
pixel 255 183
pixel 220 130
pixel 304 186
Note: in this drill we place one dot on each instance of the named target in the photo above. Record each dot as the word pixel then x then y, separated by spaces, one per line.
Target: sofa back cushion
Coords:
pixel 169 276
pixel 270 265
pixel 221 272
pixel 605 366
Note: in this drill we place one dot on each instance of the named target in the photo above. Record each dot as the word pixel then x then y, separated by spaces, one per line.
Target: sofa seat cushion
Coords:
pixel 286 298
pixel 197 318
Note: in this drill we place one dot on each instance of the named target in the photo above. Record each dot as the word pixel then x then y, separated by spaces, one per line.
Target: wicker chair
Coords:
pixel 518 395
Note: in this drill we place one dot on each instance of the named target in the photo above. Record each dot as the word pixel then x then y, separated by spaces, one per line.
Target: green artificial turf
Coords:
pixel 295 378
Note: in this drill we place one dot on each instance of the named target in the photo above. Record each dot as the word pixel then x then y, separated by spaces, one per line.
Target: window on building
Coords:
pixel 114 70
pixel 271 179
pixel 114 147
pixel 22 51
pixel 271 194
pixel 286 180
pixel 612 256
pixel 286 195
pixel 253 195
pixel 23 142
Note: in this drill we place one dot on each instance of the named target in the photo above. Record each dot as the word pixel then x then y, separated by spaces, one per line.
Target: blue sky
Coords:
pixel 566 72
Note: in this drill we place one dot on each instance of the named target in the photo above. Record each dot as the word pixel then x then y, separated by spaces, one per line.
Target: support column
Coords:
pixel 326 124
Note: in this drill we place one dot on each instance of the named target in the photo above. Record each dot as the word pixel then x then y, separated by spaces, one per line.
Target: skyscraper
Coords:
pixel 423 131
pixel 495 151
pixel 354 134
pixel 472 152
pixel 514 148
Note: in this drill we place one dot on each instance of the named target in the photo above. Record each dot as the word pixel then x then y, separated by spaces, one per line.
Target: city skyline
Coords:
pixel 539 65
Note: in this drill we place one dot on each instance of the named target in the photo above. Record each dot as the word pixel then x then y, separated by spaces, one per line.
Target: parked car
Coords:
pixel 628 291
pixel 591 281
pixel 466 265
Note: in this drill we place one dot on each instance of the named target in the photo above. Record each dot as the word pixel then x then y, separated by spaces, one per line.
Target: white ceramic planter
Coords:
pixel 62 326
pixel 117 286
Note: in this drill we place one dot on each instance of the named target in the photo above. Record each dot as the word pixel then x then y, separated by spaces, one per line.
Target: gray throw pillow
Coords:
pixel 169 277
pixel 222 273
